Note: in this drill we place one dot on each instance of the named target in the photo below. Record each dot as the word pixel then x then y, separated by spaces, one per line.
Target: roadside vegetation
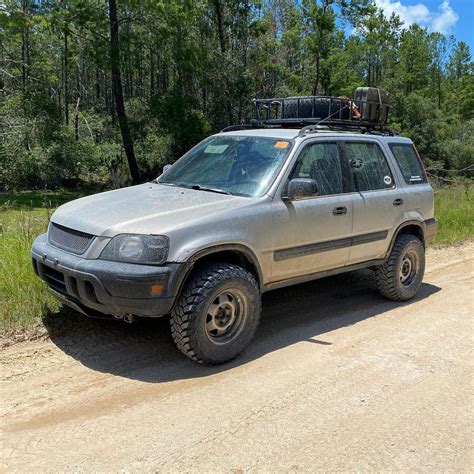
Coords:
pixel 189 68
pixel 454 208
pixel 24 300
pixel 23 216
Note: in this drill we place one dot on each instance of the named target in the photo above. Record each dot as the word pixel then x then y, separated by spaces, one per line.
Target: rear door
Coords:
pixel 419 198
pixel 378 203
pixel 313 234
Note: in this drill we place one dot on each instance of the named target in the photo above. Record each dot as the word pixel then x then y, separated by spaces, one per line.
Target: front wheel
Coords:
pixel 400 277
pixel 216 314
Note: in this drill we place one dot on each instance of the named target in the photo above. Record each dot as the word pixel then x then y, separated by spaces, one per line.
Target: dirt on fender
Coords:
pixel 337 379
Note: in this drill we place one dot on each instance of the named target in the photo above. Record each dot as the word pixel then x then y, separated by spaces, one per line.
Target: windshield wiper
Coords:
pixel 203 188
pixel 198 187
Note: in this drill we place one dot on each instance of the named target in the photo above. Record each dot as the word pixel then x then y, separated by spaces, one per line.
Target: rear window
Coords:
pixel 369 167
pixel 409 163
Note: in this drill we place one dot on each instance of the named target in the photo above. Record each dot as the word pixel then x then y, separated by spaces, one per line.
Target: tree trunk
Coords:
pixel 118 92
pixel 152 73
pixel 439 86
pixel 128 72
pixel 25 53
pixel 66 78
pixel 78 102
pixel 76 119
pixel 220 25
pixel 222 46
pixel 316 81
pixel 97 84
pixel 23 61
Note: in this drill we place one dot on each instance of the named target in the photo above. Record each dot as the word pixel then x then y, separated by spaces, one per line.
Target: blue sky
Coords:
pixel 447 16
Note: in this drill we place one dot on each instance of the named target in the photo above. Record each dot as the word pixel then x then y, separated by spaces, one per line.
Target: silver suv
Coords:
pixel 242 213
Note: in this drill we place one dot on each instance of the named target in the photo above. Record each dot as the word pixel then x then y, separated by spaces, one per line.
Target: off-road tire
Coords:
pixel 190 313
pixel 389 275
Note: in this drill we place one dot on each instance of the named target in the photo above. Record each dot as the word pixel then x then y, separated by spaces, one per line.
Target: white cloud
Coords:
pixel 445 19
pixel 409 14
pixel 442 20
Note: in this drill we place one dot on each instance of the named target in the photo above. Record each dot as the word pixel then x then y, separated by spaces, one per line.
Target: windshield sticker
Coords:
pixel 217 149
pixel 387 180
pixel 281 145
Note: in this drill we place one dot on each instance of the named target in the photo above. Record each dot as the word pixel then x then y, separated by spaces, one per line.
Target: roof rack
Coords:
pixel 312 114
pixel 340 112
pixel 306 128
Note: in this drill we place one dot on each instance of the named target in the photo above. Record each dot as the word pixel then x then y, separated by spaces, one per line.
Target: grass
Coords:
pixel 24 300
pixel 23 216
pixel 454 208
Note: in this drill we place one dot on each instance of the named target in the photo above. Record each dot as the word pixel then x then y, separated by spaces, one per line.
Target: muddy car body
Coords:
pixel 242 213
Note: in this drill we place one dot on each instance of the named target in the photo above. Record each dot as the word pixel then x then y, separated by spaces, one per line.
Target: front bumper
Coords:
pixel 96 287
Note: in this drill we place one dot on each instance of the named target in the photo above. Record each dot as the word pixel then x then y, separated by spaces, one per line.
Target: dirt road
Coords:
pixel 337 379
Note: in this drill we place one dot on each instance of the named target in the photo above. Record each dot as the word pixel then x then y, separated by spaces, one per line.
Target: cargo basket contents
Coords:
pixel 369 108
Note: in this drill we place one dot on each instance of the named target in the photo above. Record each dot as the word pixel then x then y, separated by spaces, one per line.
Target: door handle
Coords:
pixel 339 211
pixel 398 202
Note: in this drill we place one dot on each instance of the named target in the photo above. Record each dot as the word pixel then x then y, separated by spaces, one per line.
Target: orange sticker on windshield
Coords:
pixel 281 145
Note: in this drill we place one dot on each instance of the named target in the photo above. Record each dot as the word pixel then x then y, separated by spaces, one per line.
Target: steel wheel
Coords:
pixel 408 268
pixel 226 315
pixel 217 313
pixel 399 277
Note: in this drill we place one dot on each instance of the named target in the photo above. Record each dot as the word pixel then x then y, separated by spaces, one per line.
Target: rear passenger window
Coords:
pixel 369 167
pixel 320 161
pixel 409 163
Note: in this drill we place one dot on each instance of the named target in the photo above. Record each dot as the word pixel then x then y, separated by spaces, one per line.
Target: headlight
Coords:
pixel 147 249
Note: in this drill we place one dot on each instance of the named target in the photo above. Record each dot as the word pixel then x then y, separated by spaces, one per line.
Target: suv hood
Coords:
pixel 148 208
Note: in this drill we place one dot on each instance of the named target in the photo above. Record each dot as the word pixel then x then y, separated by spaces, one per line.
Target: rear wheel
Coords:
pixel 400 277
pixel 216 314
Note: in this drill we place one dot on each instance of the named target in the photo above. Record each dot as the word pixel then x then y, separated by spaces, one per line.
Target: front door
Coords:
pixel 313 234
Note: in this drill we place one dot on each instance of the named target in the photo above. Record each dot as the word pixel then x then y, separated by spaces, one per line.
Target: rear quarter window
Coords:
pixel 409 163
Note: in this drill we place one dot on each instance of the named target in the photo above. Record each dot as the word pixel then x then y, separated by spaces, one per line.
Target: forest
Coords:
pixel 104 93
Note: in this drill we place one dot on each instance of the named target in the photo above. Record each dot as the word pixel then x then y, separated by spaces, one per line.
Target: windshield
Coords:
pixel 244 166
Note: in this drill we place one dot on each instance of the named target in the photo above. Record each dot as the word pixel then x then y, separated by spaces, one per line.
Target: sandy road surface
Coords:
pixel 337 379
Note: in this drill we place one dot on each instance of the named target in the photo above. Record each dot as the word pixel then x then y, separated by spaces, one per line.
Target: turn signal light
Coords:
pixel 157 289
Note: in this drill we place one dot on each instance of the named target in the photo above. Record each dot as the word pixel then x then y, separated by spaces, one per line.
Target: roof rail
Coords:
pixel 234 128
pixel 308 129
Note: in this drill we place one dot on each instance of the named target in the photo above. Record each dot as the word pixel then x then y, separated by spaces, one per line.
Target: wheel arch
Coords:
pixel 412 227
pixel 232 253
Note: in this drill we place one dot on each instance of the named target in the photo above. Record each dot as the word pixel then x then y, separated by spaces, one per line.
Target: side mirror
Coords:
pixel 300 188
pixel 166 168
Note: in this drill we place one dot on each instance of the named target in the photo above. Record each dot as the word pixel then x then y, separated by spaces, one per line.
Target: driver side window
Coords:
pixel 321 162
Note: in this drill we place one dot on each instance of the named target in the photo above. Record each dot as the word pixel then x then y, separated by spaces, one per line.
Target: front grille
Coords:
pixel 67 239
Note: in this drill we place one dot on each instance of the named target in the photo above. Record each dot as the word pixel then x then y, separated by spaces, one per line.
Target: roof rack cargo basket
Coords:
pixel 369 110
